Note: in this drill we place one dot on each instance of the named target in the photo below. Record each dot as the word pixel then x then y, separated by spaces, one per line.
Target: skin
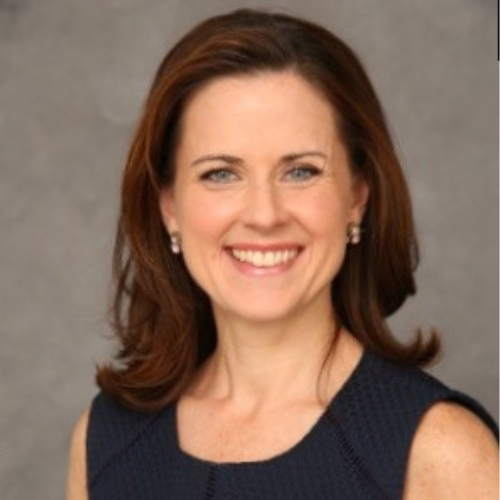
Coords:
pixel 274 324
pixel 76 487
pixel 263 197
pixel 258 197
pixel 454 456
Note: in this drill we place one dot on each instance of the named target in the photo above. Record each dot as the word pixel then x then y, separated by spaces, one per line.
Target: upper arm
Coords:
pixel 77 474
pixel 454 456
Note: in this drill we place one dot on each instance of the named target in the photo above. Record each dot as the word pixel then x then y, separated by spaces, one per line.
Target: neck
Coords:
pixel 254 363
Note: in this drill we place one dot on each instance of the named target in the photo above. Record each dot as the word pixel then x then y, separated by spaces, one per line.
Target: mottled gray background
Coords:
pixel 73 75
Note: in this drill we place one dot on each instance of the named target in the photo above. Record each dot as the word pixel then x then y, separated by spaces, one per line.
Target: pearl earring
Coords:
pixel 175 242
pixel 353 233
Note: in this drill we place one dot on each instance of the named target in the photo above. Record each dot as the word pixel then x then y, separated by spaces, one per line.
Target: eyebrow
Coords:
pixel 235 160
pixel 223 158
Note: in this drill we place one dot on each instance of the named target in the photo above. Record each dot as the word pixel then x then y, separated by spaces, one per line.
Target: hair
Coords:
pixel 162 319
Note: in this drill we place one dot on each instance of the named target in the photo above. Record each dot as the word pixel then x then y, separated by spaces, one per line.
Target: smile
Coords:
pixel 265 259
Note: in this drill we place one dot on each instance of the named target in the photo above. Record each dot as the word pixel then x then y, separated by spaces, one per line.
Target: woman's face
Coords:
pixel 263 195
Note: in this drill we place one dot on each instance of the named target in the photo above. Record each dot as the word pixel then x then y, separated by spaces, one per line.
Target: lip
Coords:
pixel 248 269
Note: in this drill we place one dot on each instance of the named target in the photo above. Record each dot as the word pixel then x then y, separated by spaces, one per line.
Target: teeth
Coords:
pixel 264 259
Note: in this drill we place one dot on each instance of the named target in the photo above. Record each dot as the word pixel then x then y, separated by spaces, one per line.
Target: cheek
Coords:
pixel 203 218
pixel 324 212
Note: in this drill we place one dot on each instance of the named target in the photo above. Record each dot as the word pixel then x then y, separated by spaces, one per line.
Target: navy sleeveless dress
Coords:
pixel 357 450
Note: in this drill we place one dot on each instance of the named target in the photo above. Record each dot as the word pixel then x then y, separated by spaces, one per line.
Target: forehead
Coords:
pixel 273 108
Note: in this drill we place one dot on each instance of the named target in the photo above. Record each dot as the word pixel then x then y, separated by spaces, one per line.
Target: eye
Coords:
pixel 300 173
pixel 219 175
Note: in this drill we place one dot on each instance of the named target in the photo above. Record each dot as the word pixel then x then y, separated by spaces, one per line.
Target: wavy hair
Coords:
pixel 162 319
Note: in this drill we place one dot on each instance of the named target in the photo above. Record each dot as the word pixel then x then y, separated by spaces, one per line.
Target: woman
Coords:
pixel 265 235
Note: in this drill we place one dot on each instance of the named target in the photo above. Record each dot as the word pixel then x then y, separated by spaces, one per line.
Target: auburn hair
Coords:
pixel 162 319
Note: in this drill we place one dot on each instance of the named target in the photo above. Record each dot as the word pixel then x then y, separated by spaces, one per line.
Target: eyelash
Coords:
pixel 309 169
pixel 209 175
pixel 213 175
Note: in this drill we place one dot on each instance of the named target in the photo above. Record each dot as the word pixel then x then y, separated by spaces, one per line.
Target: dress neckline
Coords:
pixel 336 400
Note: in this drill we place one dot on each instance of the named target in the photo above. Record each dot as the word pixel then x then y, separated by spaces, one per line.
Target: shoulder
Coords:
pixel 77 480
pixel 454 455
pixel 117 435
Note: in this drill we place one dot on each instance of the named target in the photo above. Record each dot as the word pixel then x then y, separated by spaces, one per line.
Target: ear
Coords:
pixel 168 210
pixel 360 196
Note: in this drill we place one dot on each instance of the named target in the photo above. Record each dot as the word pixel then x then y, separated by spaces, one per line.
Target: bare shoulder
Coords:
pixel 77 471
pixel 454 456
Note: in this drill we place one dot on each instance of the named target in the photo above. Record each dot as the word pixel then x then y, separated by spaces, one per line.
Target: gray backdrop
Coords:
pixel 73 76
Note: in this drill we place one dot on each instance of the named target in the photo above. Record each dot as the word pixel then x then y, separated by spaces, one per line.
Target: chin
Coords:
pixel 260 313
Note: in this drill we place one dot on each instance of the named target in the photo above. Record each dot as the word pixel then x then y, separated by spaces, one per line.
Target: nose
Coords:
pixel 264 209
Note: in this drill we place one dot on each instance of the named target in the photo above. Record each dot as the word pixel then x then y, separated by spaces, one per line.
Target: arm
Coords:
pixel 454 456
pixel 77 474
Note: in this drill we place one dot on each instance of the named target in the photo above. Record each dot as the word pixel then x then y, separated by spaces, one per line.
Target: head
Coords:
pixel 249 52
pixel 262 197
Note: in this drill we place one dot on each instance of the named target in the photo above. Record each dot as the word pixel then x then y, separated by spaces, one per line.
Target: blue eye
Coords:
pixel 302 173
pixel 218 175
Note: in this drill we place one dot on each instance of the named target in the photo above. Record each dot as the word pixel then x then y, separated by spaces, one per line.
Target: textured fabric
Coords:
pixel 357 450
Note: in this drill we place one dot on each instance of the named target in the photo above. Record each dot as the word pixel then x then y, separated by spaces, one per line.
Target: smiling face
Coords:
pixel 262 196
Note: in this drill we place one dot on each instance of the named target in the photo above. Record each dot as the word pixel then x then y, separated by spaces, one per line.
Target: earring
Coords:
pixel 353 233
pixel 175 242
